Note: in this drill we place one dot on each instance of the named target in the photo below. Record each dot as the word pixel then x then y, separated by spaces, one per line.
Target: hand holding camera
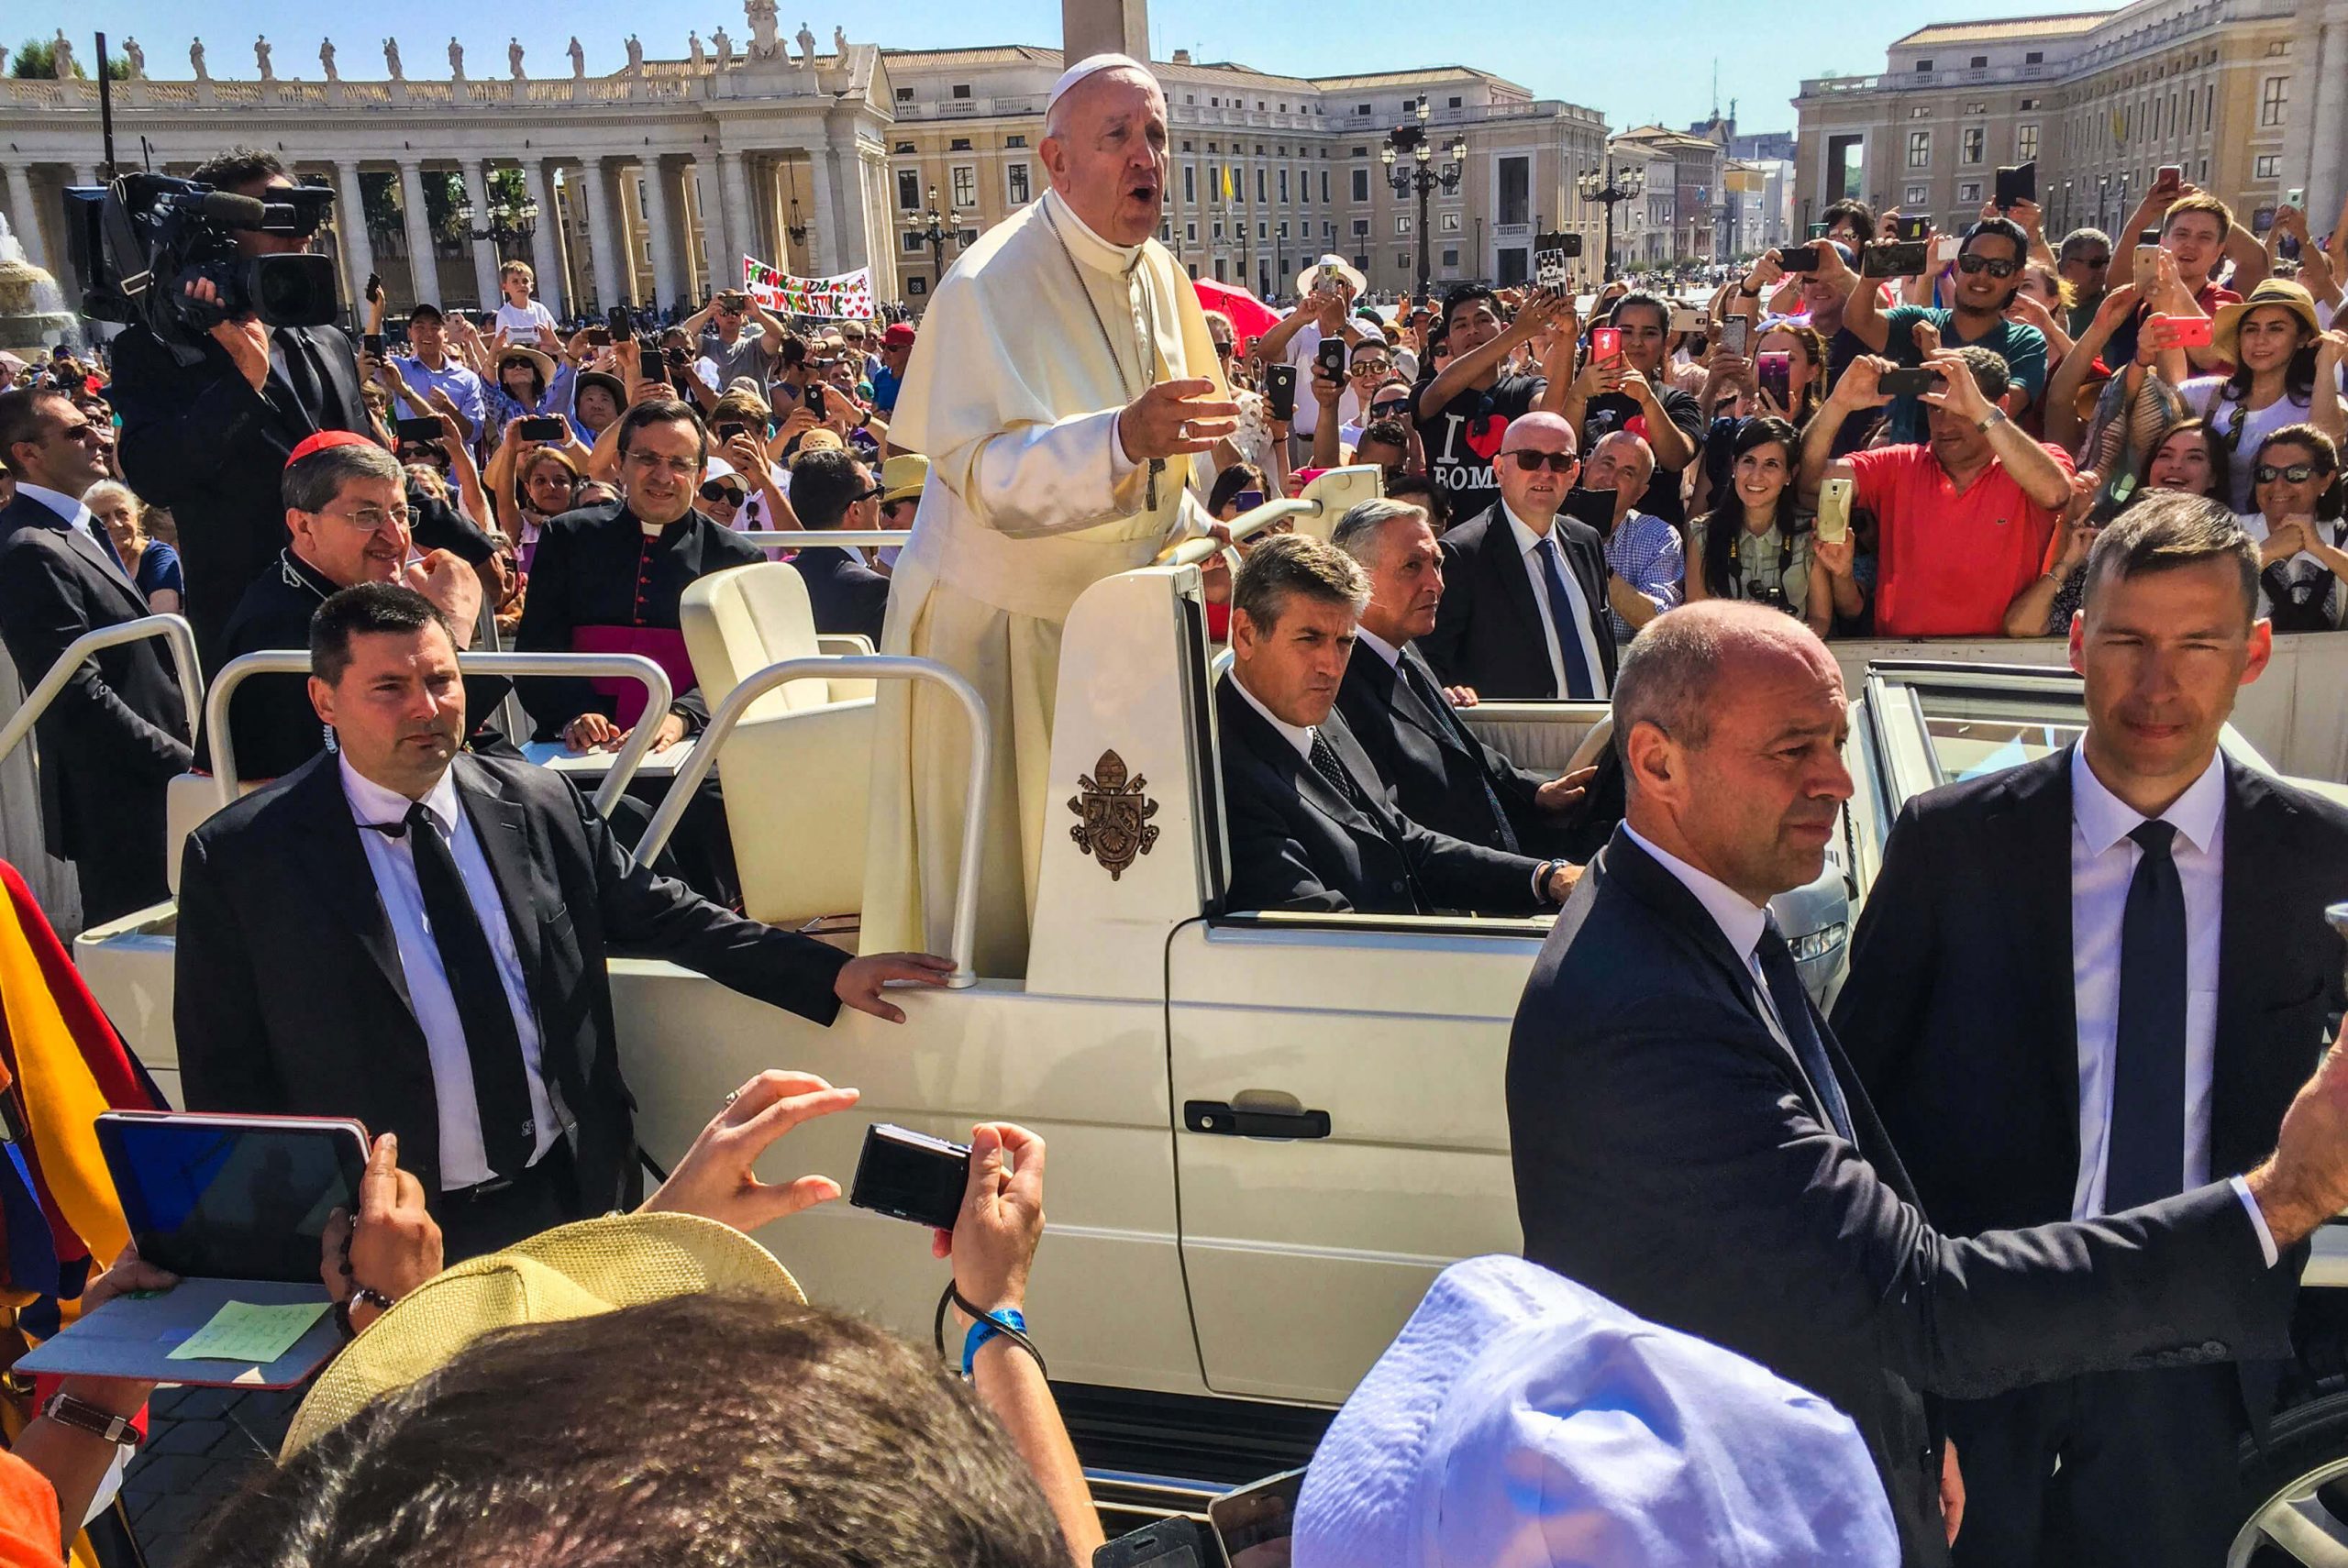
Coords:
pixel 1959 393
pixel 390 1246
pixel 717 1177
pixel 993 1242
pixel 1859 386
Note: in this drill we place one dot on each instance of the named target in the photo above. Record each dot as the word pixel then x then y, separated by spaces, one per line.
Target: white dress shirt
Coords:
pixel 1380 646
pixel 1741 921
pixel 76 516
pixel 1529 545
pixel 464 1161
pixel 2103 862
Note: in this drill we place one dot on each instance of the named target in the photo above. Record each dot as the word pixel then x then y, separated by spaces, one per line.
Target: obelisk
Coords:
pixel 1104 27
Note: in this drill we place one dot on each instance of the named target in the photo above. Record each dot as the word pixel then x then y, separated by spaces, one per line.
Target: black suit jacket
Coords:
pixel 114 737
pixel 1959 1013
pixel 1297 844
pixel 199 439
pixel 847 595
pixel 1487 631
pixel 1669 1154
pixel 290 996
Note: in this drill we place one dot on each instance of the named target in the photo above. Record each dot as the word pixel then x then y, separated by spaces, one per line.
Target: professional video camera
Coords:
pixel 142 239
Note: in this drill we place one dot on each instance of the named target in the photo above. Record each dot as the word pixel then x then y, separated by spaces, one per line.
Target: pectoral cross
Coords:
pixel 1157 467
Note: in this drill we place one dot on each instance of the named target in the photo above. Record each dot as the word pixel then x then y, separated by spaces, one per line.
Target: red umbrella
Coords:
pixel 1249 315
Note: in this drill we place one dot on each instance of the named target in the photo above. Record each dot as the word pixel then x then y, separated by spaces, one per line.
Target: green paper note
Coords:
pixel 243 1331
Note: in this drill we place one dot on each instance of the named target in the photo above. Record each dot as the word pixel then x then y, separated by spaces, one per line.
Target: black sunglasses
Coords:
pixel 2104 261
pixel 2298 473
pixel 1995 266
pixel 1555 462
pixel 1390 409
pixel 718 490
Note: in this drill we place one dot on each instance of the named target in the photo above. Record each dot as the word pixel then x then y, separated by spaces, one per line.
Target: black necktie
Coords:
pixel 1580 684
pixel 2146 1156
pixel 1423 685
pixel 1793 1016
pixel 501 1090
pixel 1335 774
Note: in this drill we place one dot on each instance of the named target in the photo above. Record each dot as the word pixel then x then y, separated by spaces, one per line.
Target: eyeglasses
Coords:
pixel 1392 409
pixel 1528 461
pixel 1372 367
pixel 718 490
pixel 2091 261
pixel 372 518
pixel 1222 350
pixel 865 495
pixel 2298 473
pixel 1996 267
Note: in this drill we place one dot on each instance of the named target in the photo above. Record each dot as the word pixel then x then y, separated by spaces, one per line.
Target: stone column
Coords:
pixel 24 212
pixel 350 225
pixel 665 286
pixel 423 264
pixel 824 243
pixel 724 268
pixel 2322 77
pixel 546 244
pixel 602 233
pixel 735 193
pixel 485 251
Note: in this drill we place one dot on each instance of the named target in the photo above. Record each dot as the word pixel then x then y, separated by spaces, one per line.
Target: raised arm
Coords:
pixel 1862 315
pixel 2032 466
pixel 2061 411
pixel 1855 392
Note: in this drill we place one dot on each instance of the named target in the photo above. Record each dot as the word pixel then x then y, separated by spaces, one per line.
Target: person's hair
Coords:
pixel 823 484
pixel 1368 345
pixel 21 420
pixel 747 408
pixel 662 411
pixel 1665 678
pixel 2200 202
pixel 365 609
pixel 1420 488
pixel 1289 564
pixel 1231 482
pixel 715 1430
pixel 2299 370
pixel 1215 317
pixel 1851 207
pixel 2167 529
pixel 2080 238
pixel 539 457
pixel 1360 532
pixel 2326 453
pixel 1638 298
pixel 2221 460
pixel 1389 430
pixel 238 167
pixel 2065 296
pixel 1990 371
pixel 1722 565
pixel 311 483
pixel 2003 228
pixel 1814 346
pixel 538 376
pixel 794 350
pixel 523 268
pixel 1466 294
pixel 107 490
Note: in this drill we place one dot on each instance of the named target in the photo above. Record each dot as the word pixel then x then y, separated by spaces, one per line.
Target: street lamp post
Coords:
pixel 1610 189
pixel 1409 140
pixel 931 225
pixel 508 225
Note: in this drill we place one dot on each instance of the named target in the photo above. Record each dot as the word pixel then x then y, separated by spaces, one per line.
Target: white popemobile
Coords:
pixel 1270 1130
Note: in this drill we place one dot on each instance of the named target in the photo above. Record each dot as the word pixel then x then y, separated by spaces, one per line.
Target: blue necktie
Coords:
pixel 2145 1159
pixel 1801 1032
pixel 1579 680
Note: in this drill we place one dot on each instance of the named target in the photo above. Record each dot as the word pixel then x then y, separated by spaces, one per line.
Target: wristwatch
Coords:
pixel 1749 293
pixel 84 1416
pixel 1995 417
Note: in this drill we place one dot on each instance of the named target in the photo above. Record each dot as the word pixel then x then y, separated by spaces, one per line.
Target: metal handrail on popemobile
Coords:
pixel 658 695
pixel 1331 489
pixel 867 667
pixel 172 629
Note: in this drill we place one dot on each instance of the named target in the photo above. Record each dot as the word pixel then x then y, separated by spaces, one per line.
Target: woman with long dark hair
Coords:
pixel 2287 371
pixel 1755 542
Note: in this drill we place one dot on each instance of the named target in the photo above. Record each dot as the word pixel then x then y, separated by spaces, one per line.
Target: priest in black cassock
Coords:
pixel 609 580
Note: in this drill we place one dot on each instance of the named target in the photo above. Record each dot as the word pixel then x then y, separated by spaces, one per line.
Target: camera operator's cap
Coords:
pixel 898 336
pixel 1523 1418
pixel 2226 329
pixel 903 476
pixel 1304 279
pixel 571 1272
pixel 319 440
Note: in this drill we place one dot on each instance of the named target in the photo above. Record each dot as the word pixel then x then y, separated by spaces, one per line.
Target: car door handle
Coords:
pixel 1225 1120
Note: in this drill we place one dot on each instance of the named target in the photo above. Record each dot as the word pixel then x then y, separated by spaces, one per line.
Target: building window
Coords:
pixel 1969 193
pixel 904 94
pixel 1325 186
pixel 2025 144
pixel 1190 233
pixel 1361 108
pixel 1448 222
pixel 1921 112
pixel 2273 99
pixel 966 185
pixel 1260 197
pixel 2034 57
pixel 1978 62
pixel 1450 258
pixel 1401 261
pixel 904 146
pixel 915 242
pixel 1216 233
pixel 1917 196
pixel 1015 141
pixel 1283 187
pixel 1401 224
pixel 1189 184
pixel 959 144
pixel 1361 184
pixel 1361 228
pixel 1515 190
pixel 1920 149
pixel 1923 67
pixel 2266 166
pixel 2027 105
pixel 962 90
pixel 1975 141
pixel 1361 261
pixel 1283 231
pixel 916 285
pixel 1263 229
pixel 1016 181
pixel 1976 107
pixel 908 188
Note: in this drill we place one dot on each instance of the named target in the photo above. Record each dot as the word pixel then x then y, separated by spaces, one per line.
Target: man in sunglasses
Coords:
pixel 1989 274
pixel 2085 262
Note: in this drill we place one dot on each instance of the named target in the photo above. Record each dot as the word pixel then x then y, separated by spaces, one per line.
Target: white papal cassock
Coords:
pixel 1013 389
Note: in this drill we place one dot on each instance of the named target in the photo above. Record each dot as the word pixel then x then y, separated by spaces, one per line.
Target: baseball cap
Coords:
pixel 898 336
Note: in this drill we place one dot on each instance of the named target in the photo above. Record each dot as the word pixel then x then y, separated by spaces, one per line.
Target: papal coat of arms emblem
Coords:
pixel 1114 827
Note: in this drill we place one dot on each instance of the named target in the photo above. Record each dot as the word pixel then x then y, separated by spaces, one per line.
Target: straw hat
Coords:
pixel 1311 275
pixel 2225 330
pixel 571 1272
pixel 903 476
pixel 823 438
pixel 544 361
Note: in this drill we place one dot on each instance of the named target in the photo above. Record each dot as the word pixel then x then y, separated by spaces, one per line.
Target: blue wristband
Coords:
pixel 987 1328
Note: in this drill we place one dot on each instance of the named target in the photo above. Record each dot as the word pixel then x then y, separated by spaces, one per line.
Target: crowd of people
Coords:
pixel 1641 498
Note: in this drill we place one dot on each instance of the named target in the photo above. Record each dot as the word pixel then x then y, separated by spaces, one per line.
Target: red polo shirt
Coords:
pixel 1948 561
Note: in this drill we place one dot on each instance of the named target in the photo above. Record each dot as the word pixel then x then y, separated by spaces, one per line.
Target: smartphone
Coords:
pixel 1175 1542
pixel 372 343
pixel 1775 373
pixel 2148 263
pixel 619 323
pixel 542 427
pixel 816 400
pixel 1735 333
pixel 2192 331
pixel 374 289
pixel 211 1197
pixel 423 431
pixel 1801 259
pixel 1909 382
pixel 1248 500
pixel 1331 357
pixel 1818 231
pixel 1945 247
pixel 1605 343
pixel 1279 391
pixel 1835 510
pixel 2169 174
pixel 1895 259
pixel 2296 198
pixel 1594 507
pixel 911 1176
pixel 1256 1526
pixel 1688 319
pixel 2017 183
pixel 598 337
pixel 1912 228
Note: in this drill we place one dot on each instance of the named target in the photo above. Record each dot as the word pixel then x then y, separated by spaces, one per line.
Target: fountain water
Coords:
pixel 33 317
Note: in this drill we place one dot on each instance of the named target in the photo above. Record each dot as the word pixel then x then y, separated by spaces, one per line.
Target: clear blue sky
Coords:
pixel 1634 62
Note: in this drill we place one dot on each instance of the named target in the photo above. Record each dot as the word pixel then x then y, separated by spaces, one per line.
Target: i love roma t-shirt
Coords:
pixel 1462 437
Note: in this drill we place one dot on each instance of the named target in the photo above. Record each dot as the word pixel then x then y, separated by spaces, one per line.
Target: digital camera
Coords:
pixel 142 239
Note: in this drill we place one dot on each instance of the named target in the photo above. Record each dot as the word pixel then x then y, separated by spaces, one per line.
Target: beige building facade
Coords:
pixel 2245 96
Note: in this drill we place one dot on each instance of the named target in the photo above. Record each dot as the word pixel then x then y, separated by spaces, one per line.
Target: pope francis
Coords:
pixel 1061 383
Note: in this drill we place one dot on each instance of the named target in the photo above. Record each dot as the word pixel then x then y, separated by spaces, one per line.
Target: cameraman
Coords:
pixel 210 440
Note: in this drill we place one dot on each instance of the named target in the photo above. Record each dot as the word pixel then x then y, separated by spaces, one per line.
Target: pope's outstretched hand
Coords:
pixel 2305 1181
pixel 1174 417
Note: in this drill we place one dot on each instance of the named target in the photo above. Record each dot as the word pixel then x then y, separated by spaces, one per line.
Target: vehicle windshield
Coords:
pixel 1964 747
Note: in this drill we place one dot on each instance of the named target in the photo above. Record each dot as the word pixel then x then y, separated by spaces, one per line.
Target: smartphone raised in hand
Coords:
pixel 1909 380
pixel 1802 258
pixel 1773 372
pixel 542 427
pixel 816 400
pixel 1835 510
pixel 1605 343
pixel 372 343
pixel 2147 263
pixel 1279 391
pixel 1735 333
pixel 419 430
pixel 1895 259
pixel 1331 357
pixel 2017 183
pixel 911 1176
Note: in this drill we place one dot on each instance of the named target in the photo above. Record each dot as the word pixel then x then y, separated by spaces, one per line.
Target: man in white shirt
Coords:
pixel 1326 290
pixel 2118 1013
